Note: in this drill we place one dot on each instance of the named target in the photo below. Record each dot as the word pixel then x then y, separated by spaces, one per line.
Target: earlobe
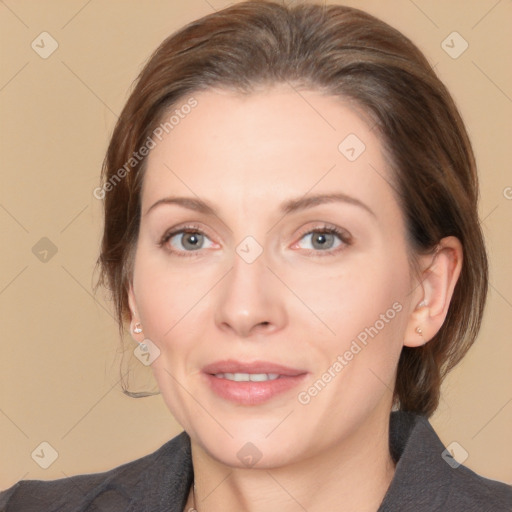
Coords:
pixel 437 284
pixel 414 334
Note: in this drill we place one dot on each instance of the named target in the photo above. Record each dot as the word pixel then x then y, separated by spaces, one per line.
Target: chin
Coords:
pixel 252 451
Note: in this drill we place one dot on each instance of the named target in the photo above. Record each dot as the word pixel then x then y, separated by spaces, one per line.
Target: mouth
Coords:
pixel 246 377
pixel 251 383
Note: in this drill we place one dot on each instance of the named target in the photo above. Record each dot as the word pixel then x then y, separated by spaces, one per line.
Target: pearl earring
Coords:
pixel 137 328
pixel 419 331
pixel 421 304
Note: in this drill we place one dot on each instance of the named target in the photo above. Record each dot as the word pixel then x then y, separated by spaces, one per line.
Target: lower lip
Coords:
pixel 252 393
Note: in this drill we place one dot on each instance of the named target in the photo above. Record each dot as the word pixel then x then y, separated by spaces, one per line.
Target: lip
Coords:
pixel 251 393
pixel 233 366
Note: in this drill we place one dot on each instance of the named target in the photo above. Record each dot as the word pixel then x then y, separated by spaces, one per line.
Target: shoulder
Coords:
pixel 427 477
pixel 471 491
pixel 141 484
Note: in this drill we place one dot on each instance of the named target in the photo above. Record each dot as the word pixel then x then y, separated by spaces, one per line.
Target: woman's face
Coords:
pixel 259 283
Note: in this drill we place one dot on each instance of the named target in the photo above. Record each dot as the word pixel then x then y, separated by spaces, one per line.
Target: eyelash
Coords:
pixel 343 235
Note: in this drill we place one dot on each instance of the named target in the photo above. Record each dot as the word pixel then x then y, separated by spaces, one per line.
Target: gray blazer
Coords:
pixel 426 479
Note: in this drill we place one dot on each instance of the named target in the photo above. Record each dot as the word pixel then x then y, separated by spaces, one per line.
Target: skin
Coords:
pixel 298 303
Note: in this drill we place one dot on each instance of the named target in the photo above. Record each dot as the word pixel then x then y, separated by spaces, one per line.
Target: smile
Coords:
pixel 251 383
pixel 245 377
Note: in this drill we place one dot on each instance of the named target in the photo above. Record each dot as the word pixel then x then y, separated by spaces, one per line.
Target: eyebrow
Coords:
pixel 290 206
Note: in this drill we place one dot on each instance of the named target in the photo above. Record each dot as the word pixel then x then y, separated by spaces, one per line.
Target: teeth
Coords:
pixel 246 377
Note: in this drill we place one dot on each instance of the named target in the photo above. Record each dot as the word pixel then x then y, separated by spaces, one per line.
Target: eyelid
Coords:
pixel 170 233
pixel 325 226
pixel 343 235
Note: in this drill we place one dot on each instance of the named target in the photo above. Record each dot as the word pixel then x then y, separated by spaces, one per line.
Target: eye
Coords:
pixel 186 239
pixel 329 239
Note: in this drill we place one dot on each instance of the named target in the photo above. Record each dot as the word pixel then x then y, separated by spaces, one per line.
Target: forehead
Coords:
pixel 265 147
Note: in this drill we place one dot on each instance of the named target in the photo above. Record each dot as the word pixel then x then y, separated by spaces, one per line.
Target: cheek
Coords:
pixel 167 293
pixel 365 306
pixel 171 311
pixel 367 313
pixel 357 297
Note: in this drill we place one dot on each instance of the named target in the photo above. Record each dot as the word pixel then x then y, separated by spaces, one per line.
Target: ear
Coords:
pixel 433 295
pixel 131 303
pixel 135 318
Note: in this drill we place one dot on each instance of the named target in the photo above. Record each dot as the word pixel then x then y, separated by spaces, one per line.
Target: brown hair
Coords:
pixel 345 52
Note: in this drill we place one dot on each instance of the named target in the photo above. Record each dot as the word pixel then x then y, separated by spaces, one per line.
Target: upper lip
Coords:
pixel 233 366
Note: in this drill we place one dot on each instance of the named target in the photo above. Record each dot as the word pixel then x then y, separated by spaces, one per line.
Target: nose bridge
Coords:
pixel 249 268
pixel 249 298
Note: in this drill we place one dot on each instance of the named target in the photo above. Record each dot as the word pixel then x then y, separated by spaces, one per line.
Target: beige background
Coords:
pixel 59 370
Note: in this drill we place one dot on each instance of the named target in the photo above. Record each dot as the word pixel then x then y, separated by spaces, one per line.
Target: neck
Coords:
pixel 352 475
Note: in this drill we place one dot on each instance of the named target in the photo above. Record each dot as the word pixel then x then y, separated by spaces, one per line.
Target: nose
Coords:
pixel 250 300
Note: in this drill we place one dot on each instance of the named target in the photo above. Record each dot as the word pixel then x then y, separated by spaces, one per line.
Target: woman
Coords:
pixel 291 235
